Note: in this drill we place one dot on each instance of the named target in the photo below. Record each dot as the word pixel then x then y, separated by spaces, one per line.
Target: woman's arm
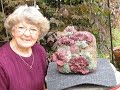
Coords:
pixel 3 79
pixel 45 87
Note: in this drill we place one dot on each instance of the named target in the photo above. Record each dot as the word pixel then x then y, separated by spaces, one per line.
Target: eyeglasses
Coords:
pixel 22 30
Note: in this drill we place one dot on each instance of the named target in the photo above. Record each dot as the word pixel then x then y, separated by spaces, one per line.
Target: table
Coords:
pixel 101 79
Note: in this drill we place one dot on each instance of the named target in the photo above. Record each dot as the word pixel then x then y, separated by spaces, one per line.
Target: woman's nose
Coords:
pixel 27 32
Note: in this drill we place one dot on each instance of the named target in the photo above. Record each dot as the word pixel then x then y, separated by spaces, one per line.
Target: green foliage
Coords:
pixel 89 15
pixel 116 37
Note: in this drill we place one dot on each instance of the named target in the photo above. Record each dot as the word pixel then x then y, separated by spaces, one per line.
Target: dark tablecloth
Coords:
pixel 103 77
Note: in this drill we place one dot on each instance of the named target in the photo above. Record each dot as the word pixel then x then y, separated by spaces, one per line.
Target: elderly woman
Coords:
pixel 22 60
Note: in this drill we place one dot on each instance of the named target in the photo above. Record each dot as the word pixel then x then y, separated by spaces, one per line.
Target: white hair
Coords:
pixel 30 13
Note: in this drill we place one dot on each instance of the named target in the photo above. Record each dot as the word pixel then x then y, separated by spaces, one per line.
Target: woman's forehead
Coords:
pixel 26 22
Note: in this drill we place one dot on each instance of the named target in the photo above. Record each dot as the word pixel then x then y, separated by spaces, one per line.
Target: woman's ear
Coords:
pixel 12 32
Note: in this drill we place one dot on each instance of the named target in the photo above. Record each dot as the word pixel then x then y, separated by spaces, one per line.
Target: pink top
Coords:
pixel 16 75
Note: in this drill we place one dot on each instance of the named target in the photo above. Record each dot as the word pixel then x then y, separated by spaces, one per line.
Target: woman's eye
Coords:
pixel 21 27
pixel 33 29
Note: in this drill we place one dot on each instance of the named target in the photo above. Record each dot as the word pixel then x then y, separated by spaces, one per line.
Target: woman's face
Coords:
pixel 25 34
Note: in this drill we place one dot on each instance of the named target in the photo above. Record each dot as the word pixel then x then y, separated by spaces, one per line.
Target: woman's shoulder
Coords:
pixel 38 46
pixel 5 44
pixel 4 47
pixel 39 50
pixel 4 50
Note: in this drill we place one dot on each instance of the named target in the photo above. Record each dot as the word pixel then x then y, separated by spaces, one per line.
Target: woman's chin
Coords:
pixel 26 45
